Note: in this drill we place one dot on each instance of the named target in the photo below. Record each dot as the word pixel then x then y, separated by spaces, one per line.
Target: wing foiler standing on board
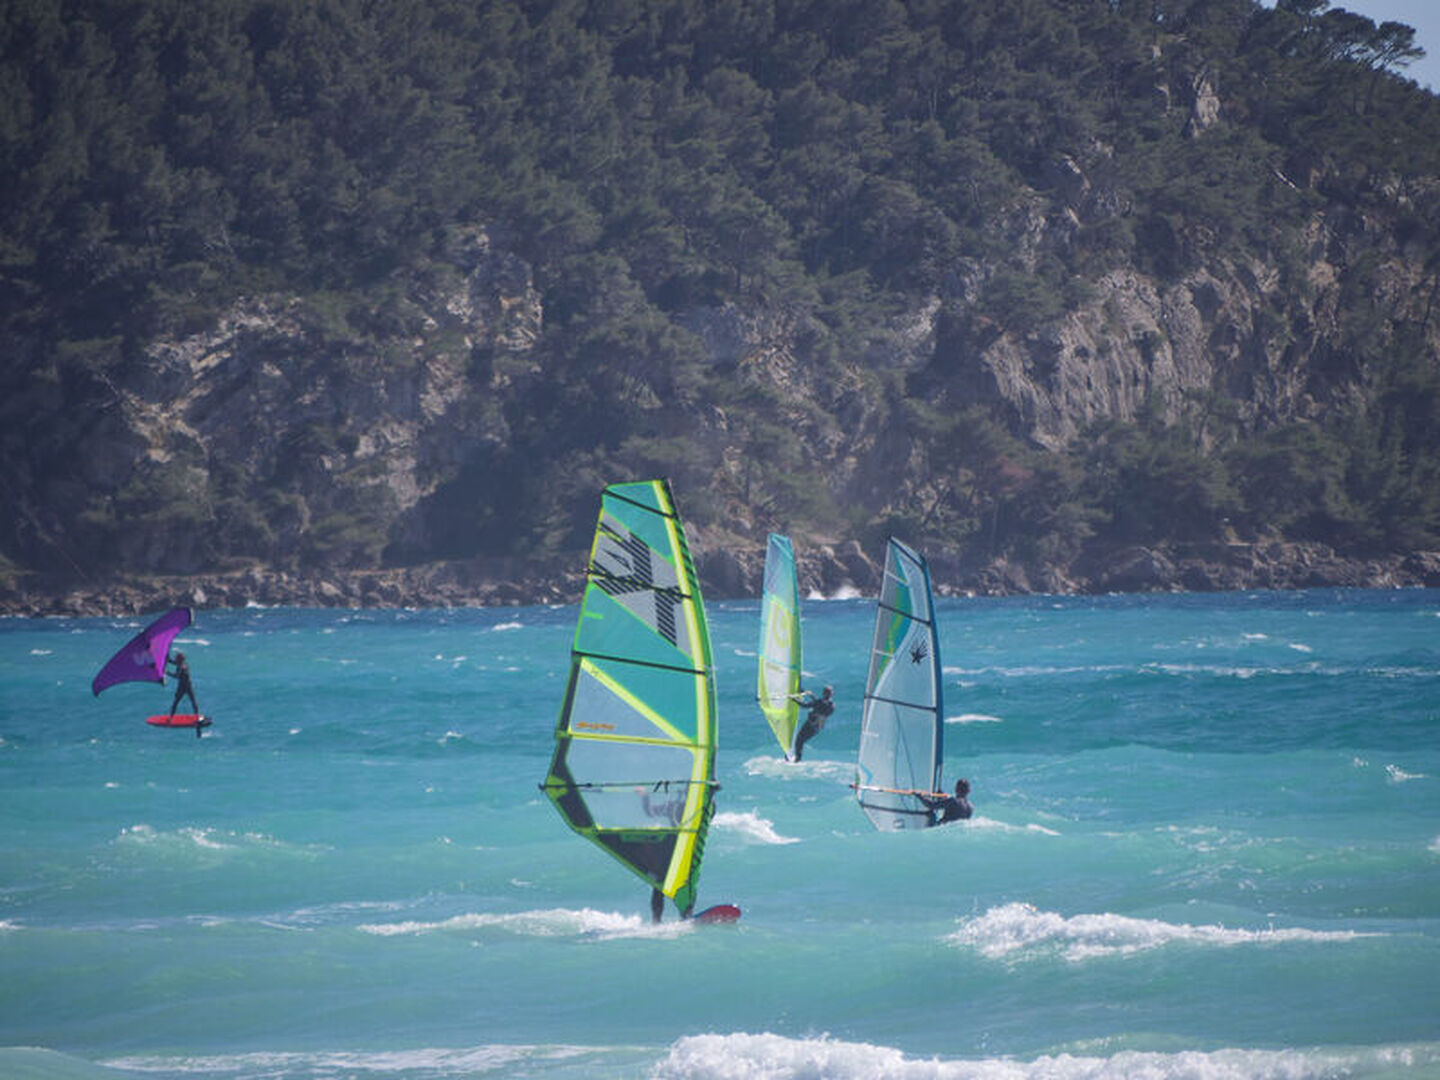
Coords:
pixel 146 658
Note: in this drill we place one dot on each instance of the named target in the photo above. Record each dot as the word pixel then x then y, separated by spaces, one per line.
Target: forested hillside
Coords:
pixel 328 284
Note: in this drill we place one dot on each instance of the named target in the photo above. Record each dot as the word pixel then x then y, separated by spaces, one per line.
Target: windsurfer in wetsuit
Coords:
pixel 947 808
pixel 182 688
pixel 820 710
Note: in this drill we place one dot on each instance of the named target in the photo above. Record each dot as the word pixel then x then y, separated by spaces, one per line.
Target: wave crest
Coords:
pixel 542 923
pixel 774 768
pixel 1023 930
pixel 753 827
pixel 766 1056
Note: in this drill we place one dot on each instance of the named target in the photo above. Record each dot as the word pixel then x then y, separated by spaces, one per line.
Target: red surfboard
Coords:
pixel 185 720
pixel 720 913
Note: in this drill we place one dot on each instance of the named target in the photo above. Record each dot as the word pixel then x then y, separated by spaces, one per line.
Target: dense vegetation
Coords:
pixel 835 161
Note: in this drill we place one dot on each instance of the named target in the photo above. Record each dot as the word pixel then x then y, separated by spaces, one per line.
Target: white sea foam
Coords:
pixel 210 842
pixel 753 827
pixel 1398 775
pixel 507 626
pixel 773 1057
pixel 982 822
pixel 777 768
pixel 148 836
pixel 41 652
pixel 1022 931
pixel 973 718
pixel 431 1063
pixel 544 923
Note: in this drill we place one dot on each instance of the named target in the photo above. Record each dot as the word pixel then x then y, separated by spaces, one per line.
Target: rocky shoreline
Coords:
pixel 726 573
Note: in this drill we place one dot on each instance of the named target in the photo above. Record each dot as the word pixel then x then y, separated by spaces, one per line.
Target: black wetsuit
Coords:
pixel 947 809
pixel 182 687
pixel 820 710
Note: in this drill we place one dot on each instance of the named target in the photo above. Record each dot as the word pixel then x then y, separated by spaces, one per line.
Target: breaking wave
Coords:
pixel 1022 931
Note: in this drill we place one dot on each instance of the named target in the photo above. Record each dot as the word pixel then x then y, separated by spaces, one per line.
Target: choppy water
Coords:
pixel 1206 844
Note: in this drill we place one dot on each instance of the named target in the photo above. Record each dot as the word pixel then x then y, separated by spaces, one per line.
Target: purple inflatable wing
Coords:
pixel 143 657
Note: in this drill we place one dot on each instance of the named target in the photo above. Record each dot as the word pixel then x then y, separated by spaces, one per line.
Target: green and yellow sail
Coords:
pixel 634 763
pixel 779 675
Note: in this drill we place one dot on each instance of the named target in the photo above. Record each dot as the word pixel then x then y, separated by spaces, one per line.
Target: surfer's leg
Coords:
pixel 806 731
pixel 657 905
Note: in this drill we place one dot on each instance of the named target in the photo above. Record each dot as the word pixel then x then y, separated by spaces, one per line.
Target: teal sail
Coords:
pixel 634 764
pixel 901 741
pixel 779 675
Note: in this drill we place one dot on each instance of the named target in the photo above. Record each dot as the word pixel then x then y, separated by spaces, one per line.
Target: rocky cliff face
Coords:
pixel 1244 330
pixel 297 431
pixel 308 434
pixel 311 436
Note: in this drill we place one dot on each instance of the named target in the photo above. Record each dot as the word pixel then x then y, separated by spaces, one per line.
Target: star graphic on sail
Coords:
pixel 918 652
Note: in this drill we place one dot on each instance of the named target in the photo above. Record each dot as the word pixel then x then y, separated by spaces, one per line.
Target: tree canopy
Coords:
pixel 834 159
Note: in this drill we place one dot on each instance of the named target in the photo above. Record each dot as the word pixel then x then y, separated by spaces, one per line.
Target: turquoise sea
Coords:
pixel 1206 844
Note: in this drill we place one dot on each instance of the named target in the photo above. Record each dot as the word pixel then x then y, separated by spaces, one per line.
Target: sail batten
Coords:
pixel 780 645
pixel 633 767
pixel 640 663
pixel 901 737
